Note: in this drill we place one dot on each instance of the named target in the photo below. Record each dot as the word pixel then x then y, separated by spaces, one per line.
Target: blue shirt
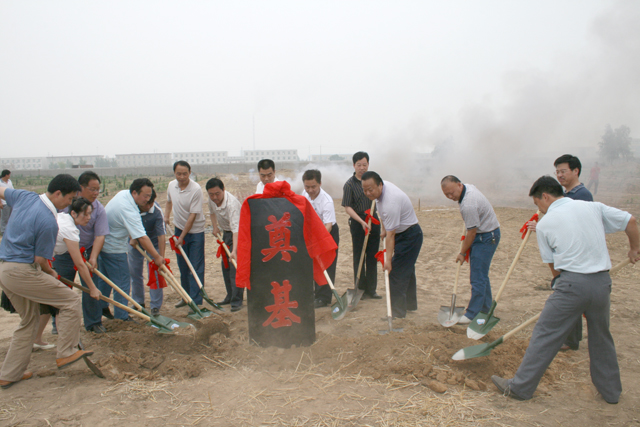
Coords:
pixel 571 235
pixel 580 192
pixel 124 223
pixel 32 229
pixel 153 223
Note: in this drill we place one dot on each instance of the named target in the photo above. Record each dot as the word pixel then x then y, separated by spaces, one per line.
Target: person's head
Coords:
pixel 451 187
pixel 80 210
pixel 149 205
pixel 90 183
pixel 267 171
pixel 182 172
pixel 215 190
pixel 372 185
pixel 6 174
pixel 568 170
pixel 312 180
pixel 62 189
pixel 360 163
pixel 141 190
pixel 545 191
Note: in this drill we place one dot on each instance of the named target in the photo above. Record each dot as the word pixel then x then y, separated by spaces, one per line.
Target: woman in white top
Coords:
pixel 68 241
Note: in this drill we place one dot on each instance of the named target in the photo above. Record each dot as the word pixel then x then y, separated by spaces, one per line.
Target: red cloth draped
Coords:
pixel 83 260
pixel 153 269
pixel 367 218
pixel 320 245
pixel 524 228
pixel 222 253
pixel 466 255
pixel 172 242
pixel 380 256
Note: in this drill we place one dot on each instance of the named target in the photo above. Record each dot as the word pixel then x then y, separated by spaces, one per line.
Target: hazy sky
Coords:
pixel 109 77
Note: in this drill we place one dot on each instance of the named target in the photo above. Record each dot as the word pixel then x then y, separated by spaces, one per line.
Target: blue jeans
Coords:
pixel 136 268
pixel 482 250
pixel 194 249
pixel 116 268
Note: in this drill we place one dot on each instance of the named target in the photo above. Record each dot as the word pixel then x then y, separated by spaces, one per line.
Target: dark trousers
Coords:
pixel 402 279
pixel 369 274
pixel 194 249
pixel 324 292
pixel 235 295
pixel 573 295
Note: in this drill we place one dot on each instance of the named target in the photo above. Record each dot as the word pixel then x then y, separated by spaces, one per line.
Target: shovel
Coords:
pixel 196 313
pixel 620 265
pixel 193 271
pixel 354 295
pixel 226 249
pixel 92 366
pixel 481 350
pixel 388 292
pixel 161 328
pixel 166 322
pixel 339 308
pixel 449 315
pixel 484 322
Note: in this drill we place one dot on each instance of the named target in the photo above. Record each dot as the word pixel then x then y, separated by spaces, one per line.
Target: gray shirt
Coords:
pixel 395 209
pixel 186 202
pixel 477 211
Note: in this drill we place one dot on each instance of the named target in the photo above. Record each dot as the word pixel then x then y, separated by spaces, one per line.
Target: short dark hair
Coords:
pixel 265 164
pixel 79 205
pixel 87 177
pixel 215 182
pixel 4 173
pixel 450 178
pixel 153 196
pixel 372 175
pixel 359 156
pixel 181 163
pixel 546 184
pixel 573 161
pixel 310 174
pixel 138 183
pixel 65 183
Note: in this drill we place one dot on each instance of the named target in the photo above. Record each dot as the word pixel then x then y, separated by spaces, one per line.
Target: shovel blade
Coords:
pixel 198 313
pixel 353 297
pixel 481 325
pixel 209 300
pixel 479 350
pixel 447 319
pixel 162 322
pixel 161 328
pixel 339 308
pixel 96 371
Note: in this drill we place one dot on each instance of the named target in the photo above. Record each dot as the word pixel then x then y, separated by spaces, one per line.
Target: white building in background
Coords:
pixel 331 157
pixel 275 155
pixel 23 163
pixel 144 159
pixel 62 162
pixel 201 157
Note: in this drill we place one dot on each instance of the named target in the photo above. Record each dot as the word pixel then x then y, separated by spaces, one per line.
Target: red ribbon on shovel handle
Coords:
pixel 466 255
pixel 380 256
pixel 222 253
pixel 524 228
pixel 368 218
pixel 172 242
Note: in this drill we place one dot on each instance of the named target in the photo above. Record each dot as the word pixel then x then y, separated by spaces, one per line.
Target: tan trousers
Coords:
pixel 27 287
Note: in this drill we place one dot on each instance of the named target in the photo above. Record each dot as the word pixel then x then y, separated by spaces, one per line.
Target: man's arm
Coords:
pixel 98 243
pixel 214 224
pixel 328 226
pixel 44 264
pixel 145 242
pixel 466 244
pixel 349 210
pixel 634 240
pixel 167 212
pixel 2 190
pixel 234 252
pixel 187 228
pixel 162 244
pixel 554 272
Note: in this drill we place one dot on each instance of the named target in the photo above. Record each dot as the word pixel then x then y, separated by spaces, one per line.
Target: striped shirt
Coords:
pixel 353 196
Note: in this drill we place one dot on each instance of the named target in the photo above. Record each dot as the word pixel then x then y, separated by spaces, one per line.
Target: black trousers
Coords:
pixel 369 275
pixel 324 292
pixel 402 279
pixel 234 294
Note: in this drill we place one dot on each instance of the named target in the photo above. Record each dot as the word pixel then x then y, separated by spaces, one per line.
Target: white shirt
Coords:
pixel 186 202
pixel 66 230
pixel 7 184
pixel 572 235
pixel 323 205
pixel 260 186
pixel 228 213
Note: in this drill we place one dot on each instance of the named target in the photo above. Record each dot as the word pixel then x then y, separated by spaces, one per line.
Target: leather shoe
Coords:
pixel 97 329
pixel 155 311
pixel 319 303
pixel 236 308
pixel 27 374
pixel 180 304
pixel 567 347
pixel 66 361
pixel 503 386
pixel 107 313
pixel 225 301
pixel 375 296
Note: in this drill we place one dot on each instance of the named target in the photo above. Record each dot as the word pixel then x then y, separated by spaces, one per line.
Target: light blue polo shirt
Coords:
pixel 572 235
pixel 124 223
pixel 32 228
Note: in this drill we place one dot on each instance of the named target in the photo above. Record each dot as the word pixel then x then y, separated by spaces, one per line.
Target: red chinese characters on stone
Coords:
pixel 279 237
pixel 281 314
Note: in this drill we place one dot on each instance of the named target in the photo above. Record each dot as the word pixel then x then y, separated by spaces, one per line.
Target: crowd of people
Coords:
pixel 70 225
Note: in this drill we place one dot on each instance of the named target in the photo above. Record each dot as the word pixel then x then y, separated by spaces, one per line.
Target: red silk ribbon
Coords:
pixel 83 260
pixel 524 228
pixel 222 253
pixel 466 255
pixel 367 218
pixel 50 265
pixel 160 282
pixel 173 245
pixel 380 256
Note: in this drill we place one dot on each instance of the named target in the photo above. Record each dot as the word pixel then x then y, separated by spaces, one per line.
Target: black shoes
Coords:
pixel 319 303
pixel 374 295
pixel 226 301
pixel 235 308
pixel 180 304
pixel 107 313
pixel 503 386
pixel 97 329
pixel 155 311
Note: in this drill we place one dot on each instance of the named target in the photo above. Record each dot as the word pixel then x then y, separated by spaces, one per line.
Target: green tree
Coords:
pixel 615 144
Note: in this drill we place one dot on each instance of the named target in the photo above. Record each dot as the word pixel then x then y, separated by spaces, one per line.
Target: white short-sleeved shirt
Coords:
pixel 395 209
pixel 186 202
pixel 7 184
pixel 572 235
pixel 66 230
pixel 476 211
pixel 323 205
pixel 260 186
pixel 228 214
pixel 125 222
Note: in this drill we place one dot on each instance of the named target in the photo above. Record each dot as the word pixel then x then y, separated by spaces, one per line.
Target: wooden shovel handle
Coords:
pixel 226 249
pixel 166 273
pixel 386 279
pixel 326 275
pixel 188 261
pixel 455 284
pixel 522 326
pixel 620 265
pixel 115 287
pixel 364 247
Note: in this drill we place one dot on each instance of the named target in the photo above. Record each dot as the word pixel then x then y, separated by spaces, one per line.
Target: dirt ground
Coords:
pixel 352 375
